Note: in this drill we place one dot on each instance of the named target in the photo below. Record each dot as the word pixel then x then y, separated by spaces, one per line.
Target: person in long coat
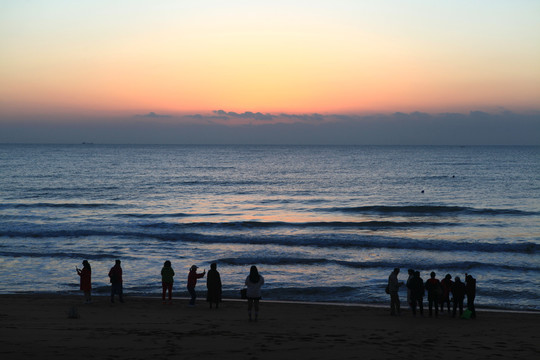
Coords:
pixel 86 281
pixel 213 284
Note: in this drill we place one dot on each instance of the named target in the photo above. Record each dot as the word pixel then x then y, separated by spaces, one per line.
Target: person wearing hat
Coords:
pixel 192 282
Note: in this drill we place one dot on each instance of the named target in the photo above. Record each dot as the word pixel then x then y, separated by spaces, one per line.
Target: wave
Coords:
pixel 320 240
pixel 154 216
pixel 518 293
pixel 208 181
pixel 302 225
pixel 72 189
pixel 424 265
pixel 59 205
pixel 359 241
pixel 427 210
pixel 98 256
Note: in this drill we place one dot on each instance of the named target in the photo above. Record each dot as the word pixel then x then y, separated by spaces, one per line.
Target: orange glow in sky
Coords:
pixel 280 56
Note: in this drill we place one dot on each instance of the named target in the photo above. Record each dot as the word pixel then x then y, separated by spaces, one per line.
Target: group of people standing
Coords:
pixel 254 282
pixel 438 293
pixel 115 277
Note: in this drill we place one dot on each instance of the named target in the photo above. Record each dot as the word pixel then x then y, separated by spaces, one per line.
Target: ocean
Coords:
pixel 322 223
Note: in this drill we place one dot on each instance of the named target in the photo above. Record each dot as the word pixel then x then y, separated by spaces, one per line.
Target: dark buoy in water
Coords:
pixel 422 191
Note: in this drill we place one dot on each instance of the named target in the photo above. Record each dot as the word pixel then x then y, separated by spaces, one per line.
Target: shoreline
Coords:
pixel 300 302
pixel 37 326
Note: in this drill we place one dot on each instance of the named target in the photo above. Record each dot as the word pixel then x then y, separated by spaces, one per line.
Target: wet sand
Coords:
pixel 38 327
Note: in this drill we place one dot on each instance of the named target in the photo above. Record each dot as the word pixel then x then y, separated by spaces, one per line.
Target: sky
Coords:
pixel 329 72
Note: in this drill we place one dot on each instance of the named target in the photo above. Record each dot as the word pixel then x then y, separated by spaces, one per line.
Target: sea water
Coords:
pixel 322 223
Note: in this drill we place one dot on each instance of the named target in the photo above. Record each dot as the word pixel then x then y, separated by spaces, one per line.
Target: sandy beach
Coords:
pixel 38 327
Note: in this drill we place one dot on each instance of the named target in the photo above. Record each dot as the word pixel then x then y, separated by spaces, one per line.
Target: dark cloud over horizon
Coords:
pixel 153 115
pixel 248 115
pixel 416 128
pixel 245 115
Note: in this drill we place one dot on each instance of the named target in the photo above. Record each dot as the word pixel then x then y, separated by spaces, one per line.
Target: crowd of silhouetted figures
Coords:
pixel 251 292
pixel 440 293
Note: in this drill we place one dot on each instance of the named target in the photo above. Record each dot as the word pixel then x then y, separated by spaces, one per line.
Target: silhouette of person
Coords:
pixel 470 290
pixel 446 285
pixel 86 281
pixel 115 275
pixel 167 274
pixel 213 285
pixel 411 275
pixel 434 290
pixel 254 281
pixel 192 282
pixel 416 285
pixel 458 293
pixel 393 288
